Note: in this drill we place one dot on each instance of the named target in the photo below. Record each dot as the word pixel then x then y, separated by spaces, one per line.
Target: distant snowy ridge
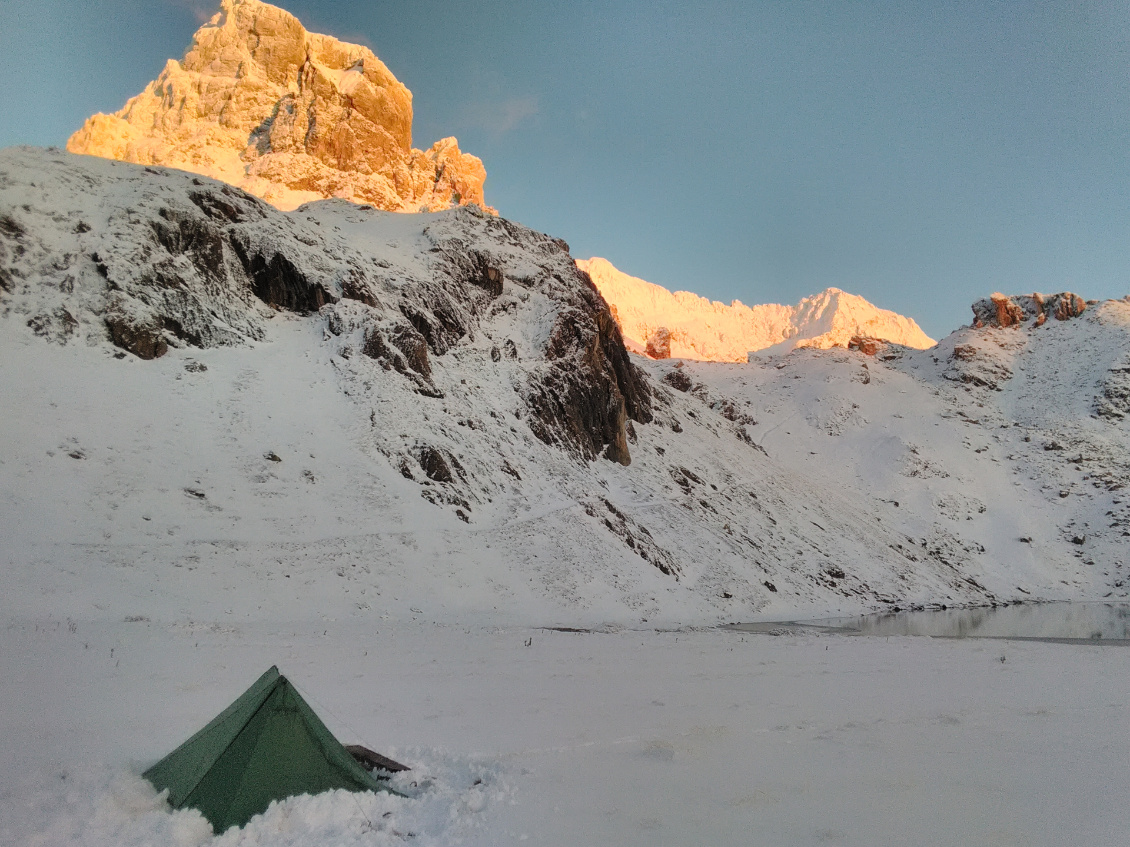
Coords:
pixel 288 115
pixel 684 325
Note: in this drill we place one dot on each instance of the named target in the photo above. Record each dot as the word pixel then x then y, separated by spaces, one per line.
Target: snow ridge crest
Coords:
pixel 684 325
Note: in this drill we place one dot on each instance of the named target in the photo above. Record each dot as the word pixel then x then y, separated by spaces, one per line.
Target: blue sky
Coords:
pixel 922 154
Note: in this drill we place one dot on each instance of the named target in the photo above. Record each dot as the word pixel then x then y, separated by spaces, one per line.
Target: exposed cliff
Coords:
pixel 682 324
pixel 288 115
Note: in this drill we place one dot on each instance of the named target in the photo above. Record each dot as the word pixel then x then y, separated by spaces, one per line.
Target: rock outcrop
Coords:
pixel 659 343
pixel 866 345
pixel 684 325
pixel 1001 310
pixel 288 115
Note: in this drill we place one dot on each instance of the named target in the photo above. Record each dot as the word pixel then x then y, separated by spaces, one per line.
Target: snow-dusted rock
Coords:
pixel 288 115
pixel 688 326
pixel 1003 311
pixel 364 413
pixel 865 344
pixel 172 260
pixel 997 451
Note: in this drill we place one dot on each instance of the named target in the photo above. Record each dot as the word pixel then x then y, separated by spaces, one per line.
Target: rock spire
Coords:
pixel 288 115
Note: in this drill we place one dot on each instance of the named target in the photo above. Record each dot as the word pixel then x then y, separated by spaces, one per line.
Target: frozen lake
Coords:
pixel 1067 622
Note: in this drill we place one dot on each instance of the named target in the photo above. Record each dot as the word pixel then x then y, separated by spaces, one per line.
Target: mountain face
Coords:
pixel 684 325
pixel 288 115
pixel 366 414
pixel 185 262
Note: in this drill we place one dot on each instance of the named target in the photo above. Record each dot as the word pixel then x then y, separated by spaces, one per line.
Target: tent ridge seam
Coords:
pixel 259 708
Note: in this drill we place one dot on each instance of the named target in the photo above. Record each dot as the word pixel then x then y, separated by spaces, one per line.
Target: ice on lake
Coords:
pixel 1091 622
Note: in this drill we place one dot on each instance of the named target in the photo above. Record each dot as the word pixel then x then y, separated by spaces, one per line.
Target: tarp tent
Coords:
pixel 265 746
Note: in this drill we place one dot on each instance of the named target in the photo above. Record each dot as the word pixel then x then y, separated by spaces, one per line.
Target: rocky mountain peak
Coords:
pixel 288 115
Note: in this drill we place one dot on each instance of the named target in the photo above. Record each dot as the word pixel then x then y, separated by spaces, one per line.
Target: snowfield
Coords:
pixel 385 452
pixel 625 737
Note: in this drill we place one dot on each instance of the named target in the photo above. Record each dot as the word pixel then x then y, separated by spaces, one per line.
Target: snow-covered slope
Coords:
pixel 288 115
pixel 1012 442
pixel 350 413
pixel 682 324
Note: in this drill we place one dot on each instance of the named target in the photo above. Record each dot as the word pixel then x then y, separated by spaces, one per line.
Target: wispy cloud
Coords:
pixel 202 10
pixel 500 117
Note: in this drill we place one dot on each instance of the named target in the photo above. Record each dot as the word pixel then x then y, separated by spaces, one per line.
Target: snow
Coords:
pixel 625 737
pixel 157 559
pixel 173 471
pixel 926 477
pixel 711 331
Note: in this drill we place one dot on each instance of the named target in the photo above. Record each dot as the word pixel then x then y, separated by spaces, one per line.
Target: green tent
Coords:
pixel 265 746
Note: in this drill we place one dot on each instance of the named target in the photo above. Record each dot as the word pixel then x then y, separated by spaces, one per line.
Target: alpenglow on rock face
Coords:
pixel 684 325
pixel 1003 311
pixel 288 115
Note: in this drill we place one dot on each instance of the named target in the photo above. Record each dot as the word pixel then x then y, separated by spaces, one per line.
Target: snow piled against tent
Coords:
pixel 100 806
